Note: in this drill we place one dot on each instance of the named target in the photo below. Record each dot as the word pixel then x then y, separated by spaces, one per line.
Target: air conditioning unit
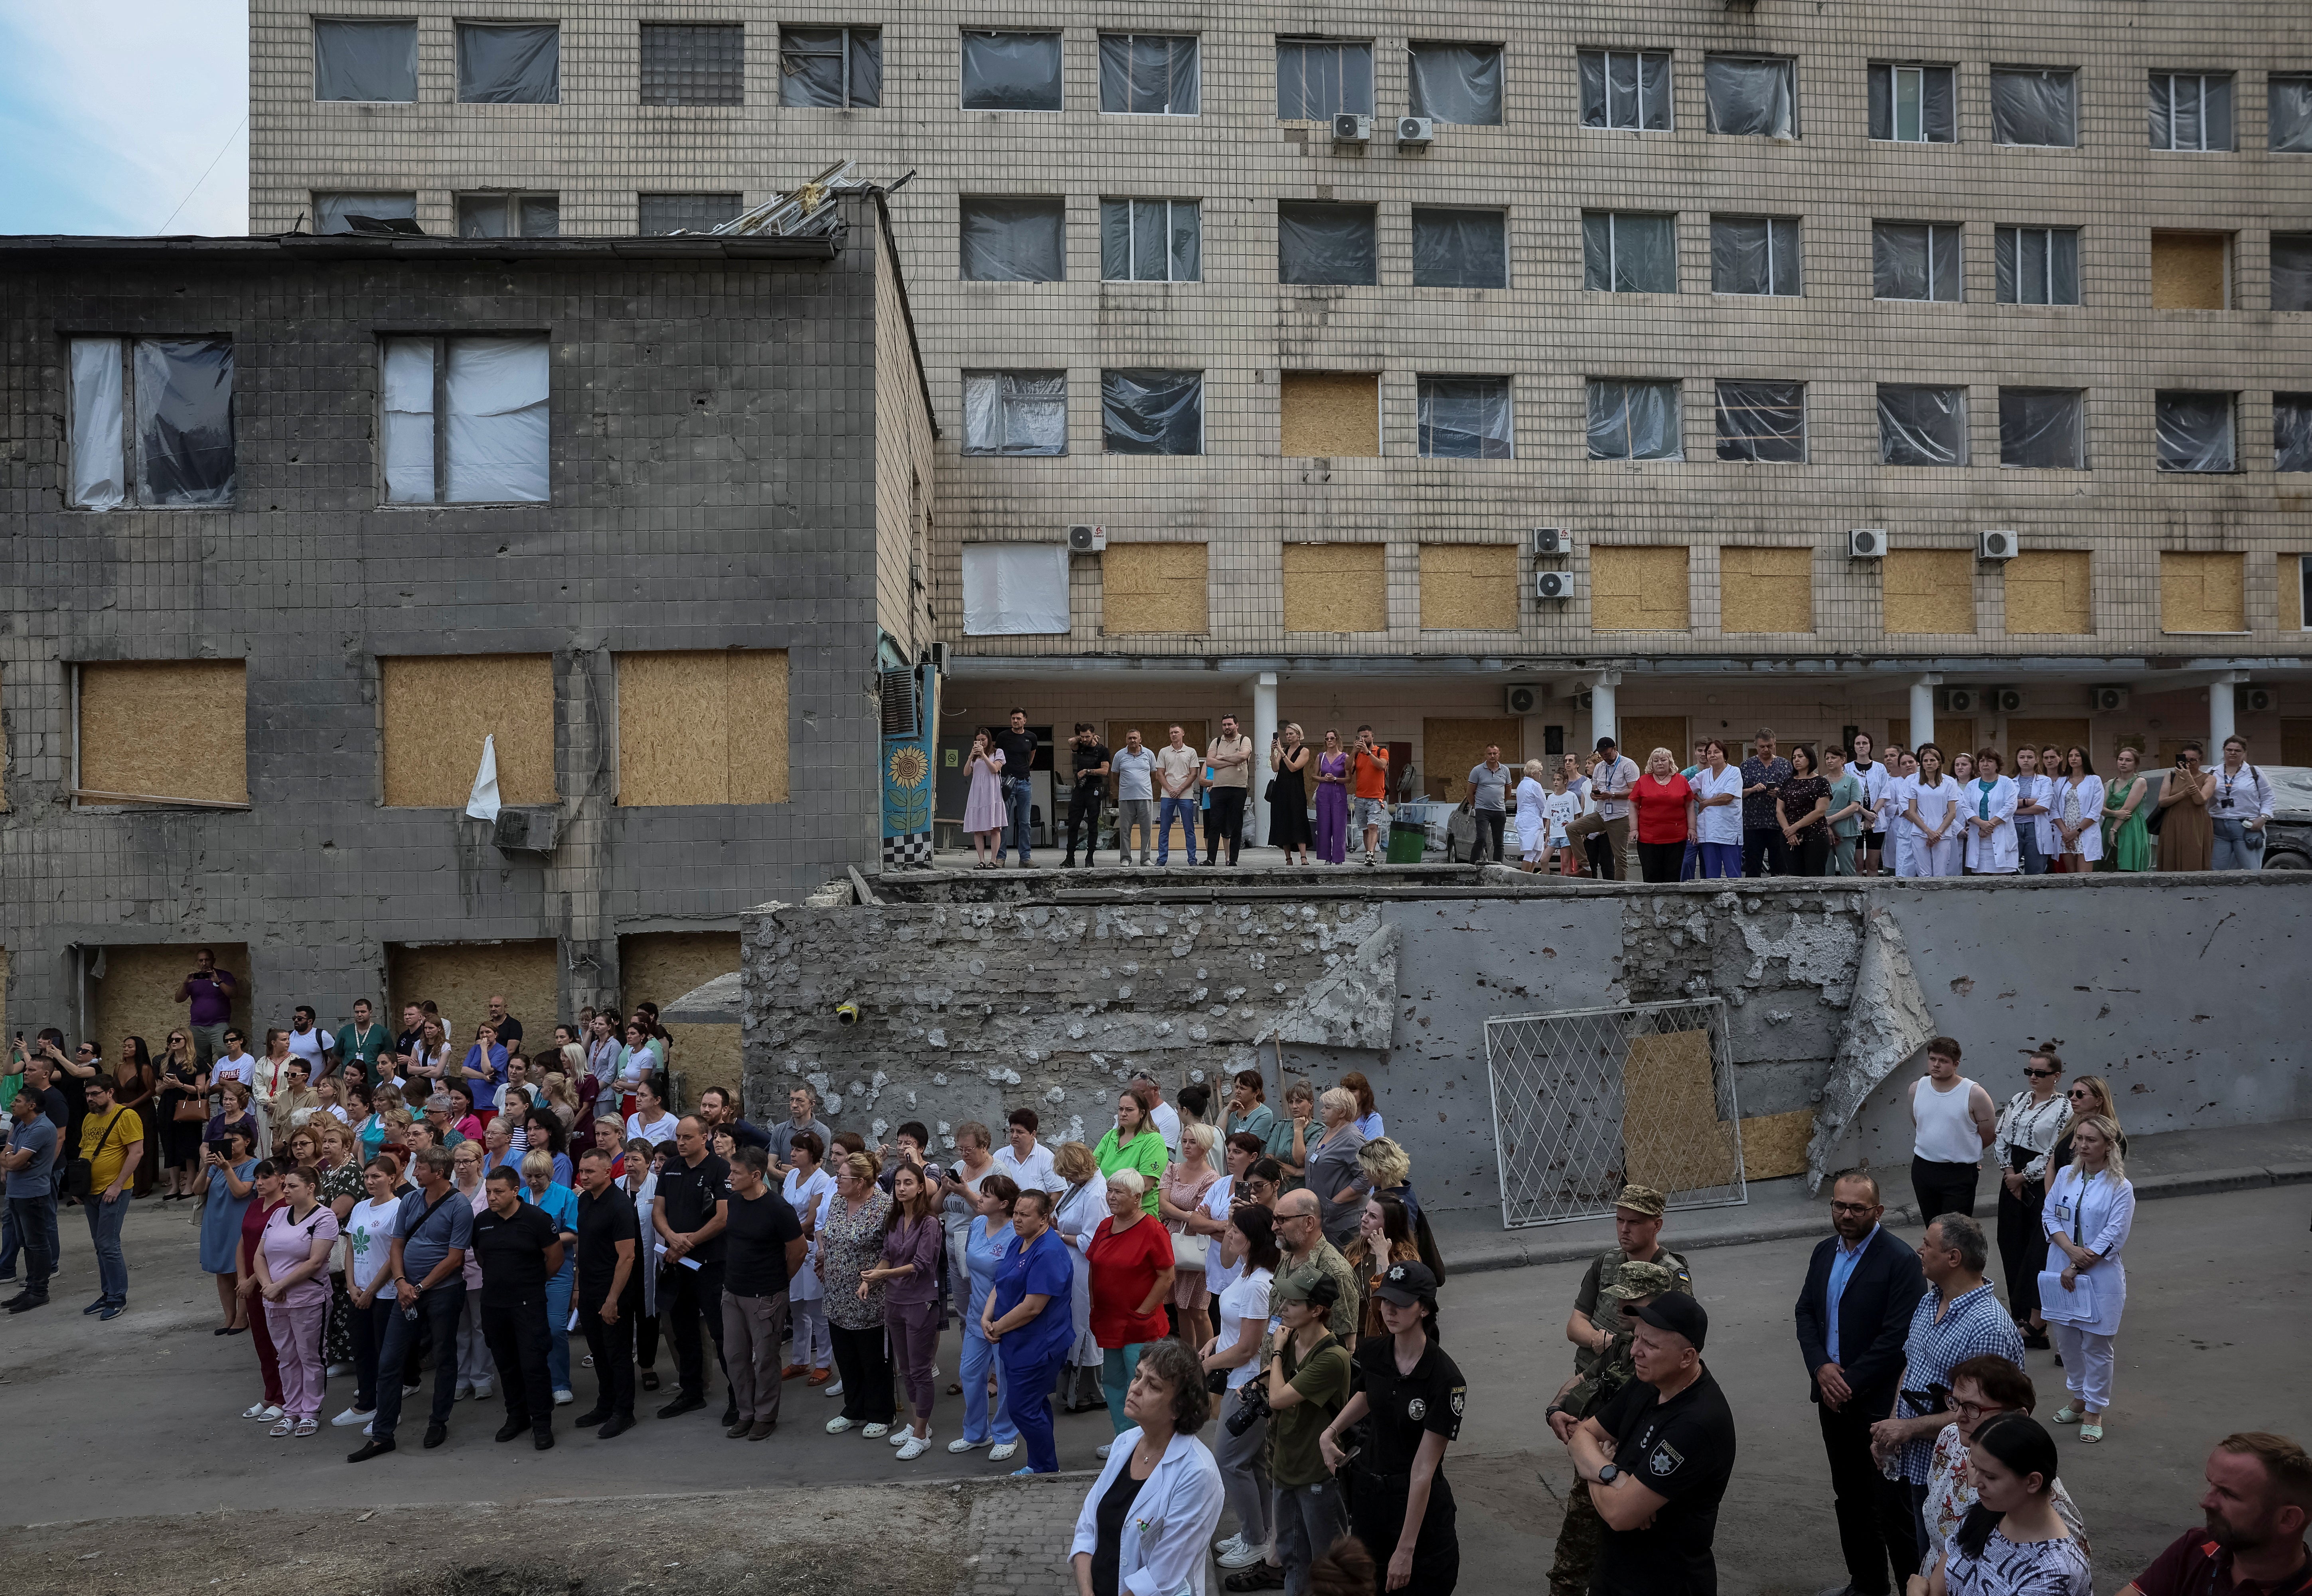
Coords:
pixel 1958 700
pixel 1998 545
pixel 526 831
pixel 1521 698
pixel 2254 700
pixel 2004 701
pixel 1552 585
pixel 2108 700
pixel 1866 543
pixel 1086 540
pixel 1350 129
pixel 1414 133
pixel 1552 542
pixel 939 659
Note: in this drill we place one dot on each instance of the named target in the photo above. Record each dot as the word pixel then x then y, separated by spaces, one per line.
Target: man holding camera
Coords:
pixel 209 993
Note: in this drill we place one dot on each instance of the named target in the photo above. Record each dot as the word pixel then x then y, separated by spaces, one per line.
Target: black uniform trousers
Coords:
pixel 1875 1524
pixel 613 1349
pixel 1083 810
pixel 1943 1188
pixel 518 1341
pixel 1487 843
pixel 688 1295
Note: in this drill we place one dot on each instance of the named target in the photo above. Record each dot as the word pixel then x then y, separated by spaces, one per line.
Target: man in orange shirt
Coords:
pixel 1369 773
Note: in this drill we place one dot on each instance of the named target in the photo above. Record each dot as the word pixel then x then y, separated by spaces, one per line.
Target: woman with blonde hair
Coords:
pixel 1180 1195
pixel 1532 826
pixel 559 1097
pixel 1333 1173
pixel 1077 1215
pixel 850 1246
pixel 2089 1210
pixel 542 1188
pixel 2089 1095
pixel 1288 801
pixel 183 1110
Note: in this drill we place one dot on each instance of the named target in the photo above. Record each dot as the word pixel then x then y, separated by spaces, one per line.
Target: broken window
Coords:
pixel 1626 89
pixel 1011 71
pixel 1317 77
pixel 694 63
pixel 509 215
pixel 1319 242
pixel 1913 105
pixel 1916 260
pixel 493 391
pixel 1456 82
pixel 1751 94
pixel 2191 110
pixel 659 214
pixel 1635 421
pixel 2291 436
pixel 1463 417
pixel 365 60
pixel 1762 422
pixel 1144 412
pixel 1460 249
pixel 2290 106
pixel 334 212
pixel 837 68
pixel 509 63
pixel 1009 239
pixel 2037 265
pixel 1149 74
pixel 2034 105
pixel 1754 255
pixel 2291 271
pixel 1013 590
pixel 1624 252
pixel 2043 429
pixel 1015 412
pixel 2195 431
pixel 1922 427
pixel 1150 241
pixel 179 453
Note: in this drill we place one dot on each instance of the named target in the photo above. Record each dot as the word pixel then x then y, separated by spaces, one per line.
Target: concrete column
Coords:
pixel 1923 710
pixel 2220 723
pixel 1602 722
pixel 1263 729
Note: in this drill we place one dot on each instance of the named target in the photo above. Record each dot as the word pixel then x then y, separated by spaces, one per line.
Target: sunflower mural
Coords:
pixel 907 786
pixel 907 790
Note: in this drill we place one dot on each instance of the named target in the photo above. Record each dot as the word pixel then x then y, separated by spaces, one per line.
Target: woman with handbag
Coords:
pixel 2091 1209
pixel 184 1104
pixel 2029 1127
pixel 1180 1202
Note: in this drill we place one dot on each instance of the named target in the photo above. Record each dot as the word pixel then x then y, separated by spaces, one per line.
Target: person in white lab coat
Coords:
pixel 2034 831
pixel 1895 803
pixel 1532 829
pixel 1932 800
pixel 2089 1210
pixel 1147 1522
pixel 1992 845
pixel 2077 810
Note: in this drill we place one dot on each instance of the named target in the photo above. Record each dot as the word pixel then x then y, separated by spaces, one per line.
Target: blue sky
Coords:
pixel 111 109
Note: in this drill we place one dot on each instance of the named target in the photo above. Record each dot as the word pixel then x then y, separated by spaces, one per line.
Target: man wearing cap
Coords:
pixel 1597 1320
pixel 1308 1382
pixel 1611 780
pixel 1586 1392
pixel 1657 1459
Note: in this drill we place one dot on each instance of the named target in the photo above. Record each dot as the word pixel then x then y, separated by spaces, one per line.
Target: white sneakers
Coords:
pixel 1003 1450
pixel 483 1390
pixel 563 1399
pixel 838 1424
pixel 835 1388
pixel 1232 1553
pixel 350 1415
pixel 1104 1446
pixel 916 1447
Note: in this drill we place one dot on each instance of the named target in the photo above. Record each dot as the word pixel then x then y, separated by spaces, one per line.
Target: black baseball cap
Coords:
pixel 1678 1313
pixel 1407 1283
pixel 1605 743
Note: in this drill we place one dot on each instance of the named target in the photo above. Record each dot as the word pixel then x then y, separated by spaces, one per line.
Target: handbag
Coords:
pixel 189 1111
pixel 1190 1252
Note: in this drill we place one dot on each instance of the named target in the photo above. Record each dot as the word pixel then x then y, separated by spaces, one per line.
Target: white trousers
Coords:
pixel 813 1347
pixel 2086 1365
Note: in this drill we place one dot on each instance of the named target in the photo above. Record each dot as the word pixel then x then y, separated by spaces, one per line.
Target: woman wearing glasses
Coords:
pixel 2029 1127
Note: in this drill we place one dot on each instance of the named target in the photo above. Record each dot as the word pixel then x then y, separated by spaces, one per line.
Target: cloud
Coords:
pixel 113 109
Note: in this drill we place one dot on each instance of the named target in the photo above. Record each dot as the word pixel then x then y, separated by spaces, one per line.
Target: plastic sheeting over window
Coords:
pixel 1456 82
pixel 1922 427
pixel 409 394
pixel 2195 431
pixel 1015 412
pixel 1635 421
pixel 1316 78
pixel 1626 89
pixel 2291 436
pixel 498 433
pixel 2038 266
pixel 2034 105
pixel 1152 412
pixel 2289 123
pixel 1014 590
pixel 1916 260
pixel 1914 104
pixel 1010 240
pixel 1320 244
pixel 1762 422
pixel 184 421
pixel 509 215
pixel 1149 74
pixel 1751 94
pixel 1623 252
pixel 1011 71
pixel 1150 241
pixel 2291 271
pixel 1460 249
pixel 838 68
pixel 1754 255
pixel 1465 418
pixel 509 64
pixel 363 60
pixel 2043 429
pixel 659 214
pixel 333 213
pixel 2191 110
pixel 98 456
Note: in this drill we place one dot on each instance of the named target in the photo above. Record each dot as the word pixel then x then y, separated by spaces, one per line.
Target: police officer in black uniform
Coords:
pixel 1658 1458
pixel 1090 790
pixel 1412 1396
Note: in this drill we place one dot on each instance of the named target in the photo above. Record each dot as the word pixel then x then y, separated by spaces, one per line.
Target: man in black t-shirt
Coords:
pixel 1658 1458
pixel 607 1240
pixel 1089 755
pixel 693 1190
pixel 763 1248
pixel 1018 746
pixel 519 1250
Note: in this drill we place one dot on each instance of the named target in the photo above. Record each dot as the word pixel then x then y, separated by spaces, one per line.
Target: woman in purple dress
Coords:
pixel 1332 801
pixel 983 810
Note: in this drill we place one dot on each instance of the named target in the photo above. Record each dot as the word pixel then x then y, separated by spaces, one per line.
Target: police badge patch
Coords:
pixel 1665 1459
pixel 1416 1410
pixel 1460 1399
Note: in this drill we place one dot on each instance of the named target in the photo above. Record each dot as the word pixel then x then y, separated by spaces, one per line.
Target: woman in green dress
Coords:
pixel 1134 1142
pixel 2126 845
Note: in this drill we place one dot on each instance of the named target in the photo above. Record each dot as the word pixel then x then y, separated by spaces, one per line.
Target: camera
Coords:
pixel 1252 1409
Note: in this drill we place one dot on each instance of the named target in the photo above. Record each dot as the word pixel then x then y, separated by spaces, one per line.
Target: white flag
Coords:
pixel 483 804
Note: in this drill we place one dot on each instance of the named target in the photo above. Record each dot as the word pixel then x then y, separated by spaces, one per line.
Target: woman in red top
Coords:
pixel 270 1197
pixel 1131 1256
pixel 1661 795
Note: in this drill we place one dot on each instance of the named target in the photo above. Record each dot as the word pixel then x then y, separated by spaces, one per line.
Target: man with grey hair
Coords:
pixel 1300 1238
pixel 426 1270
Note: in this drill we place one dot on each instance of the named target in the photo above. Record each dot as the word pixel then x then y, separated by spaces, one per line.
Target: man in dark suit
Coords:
pixel 1861 1286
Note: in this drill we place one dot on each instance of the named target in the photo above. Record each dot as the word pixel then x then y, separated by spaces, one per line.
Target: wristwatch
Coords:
pixel 1608 1473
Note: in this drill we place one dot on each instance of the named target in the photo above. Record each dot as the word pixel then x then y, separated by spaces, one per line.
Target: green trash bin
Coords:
pixel 1407 840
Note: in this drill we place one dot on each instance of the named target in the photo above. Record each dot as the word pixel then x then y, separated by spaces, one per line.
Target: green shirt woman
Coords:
pixel 1133 1143
pixel 2126 845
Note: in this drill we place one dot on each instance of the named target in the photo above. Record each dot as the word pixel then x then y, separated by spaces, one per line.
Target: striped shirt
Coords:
pixel 1977 1326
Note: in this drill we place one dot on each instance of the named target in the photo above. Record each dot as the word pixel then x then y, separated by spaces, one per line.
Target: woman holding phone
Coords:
pixel 225 1184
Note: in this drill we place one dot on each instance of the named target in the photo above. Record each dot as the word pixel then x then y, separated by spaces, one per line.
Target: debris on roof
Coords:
pixel 806 212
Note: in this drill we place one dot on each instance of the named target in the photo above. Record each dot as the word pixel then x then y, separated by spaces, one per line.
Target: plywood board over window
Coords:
pixel 437 710
pixel 2290 575
pixel 708 726
pixel 135 995
pixel 165 729
pixel 1329 413
pixel 1638 589
pixel 1766 590
pixel 1154 587
pixel 459 978
pixel 1468 587
pixel 1451 748
pixel 2191 271
pixel 660 967
pixel 1335 587
pixel 1928 591
pixel 2202 593
pixel 2047 593
pixel 1641 735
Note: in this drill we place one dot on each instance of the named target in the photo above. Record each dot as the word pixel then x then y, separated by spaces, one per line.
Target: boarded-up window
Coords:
pixel 437 710
pixel 706 727
pixel 2202 593
pixel 459 978
pixel 1638 590
pixel 1330 413
pixel 2047 593
pixel 1468 587
pixel 1929 592
pixel 1335 587
pixel 661 967
pixel 1766 590
pixel 2295 581
pixel 1154 587
pixel 2191 271
pixel 1451 748
pixel 165 728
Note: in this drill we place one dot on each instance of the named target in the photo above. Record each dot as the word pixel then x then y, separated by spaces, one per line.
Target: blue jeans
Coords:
pixel 1028 1404
pixel 26 1220
pixel 1018 797
pixel 2026 848
pixel 1720 860
pixel 1186 808
pixel 441 1308
pixel 557 1330
pixel 1117 1365
pixel 2235 848
pixel 9 1241
pixel 978 1358
pixel 104 1219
